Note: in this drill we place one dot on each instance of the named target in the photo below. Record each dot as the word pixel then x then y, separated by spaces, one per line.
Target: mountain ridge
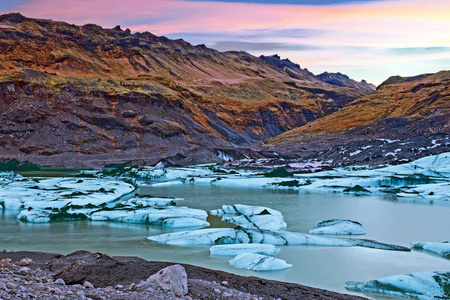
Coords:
pixel 85 95
pixel 110 82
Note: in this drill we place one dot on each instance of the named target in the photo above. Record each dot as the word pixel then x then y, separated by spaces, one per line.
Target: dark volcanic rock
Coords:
pixel 103 270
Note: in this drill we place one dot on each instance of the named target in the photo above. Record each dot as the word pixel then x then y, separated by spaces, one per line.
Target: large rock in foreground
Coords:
pixel 172 278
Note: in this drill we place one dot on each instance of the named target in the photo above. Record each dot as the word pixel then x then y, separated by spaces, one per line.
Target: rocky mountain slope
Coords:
pixel 405 118
pixel 84 95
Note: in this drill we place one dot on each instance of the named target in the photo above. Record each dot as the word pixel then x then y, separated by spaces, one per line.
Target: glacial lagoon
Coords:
pixel 386 219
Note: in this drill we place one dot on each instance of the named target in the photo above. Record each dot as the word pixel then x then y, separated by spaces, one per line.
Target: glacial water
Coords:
pixel 385 220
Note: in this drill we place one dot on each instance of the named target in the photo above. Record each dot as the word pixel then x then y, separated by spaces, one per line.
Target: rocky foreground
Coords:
pixel 85 275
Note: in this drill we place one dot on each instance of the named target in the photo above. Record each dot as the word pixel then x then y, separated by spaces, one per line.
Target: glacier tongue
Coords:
pixel 426 285
pixel 258 262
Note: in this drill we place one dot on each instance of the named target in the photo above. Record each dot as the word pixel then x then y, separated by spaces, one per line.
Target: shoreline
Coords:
pixel 116 277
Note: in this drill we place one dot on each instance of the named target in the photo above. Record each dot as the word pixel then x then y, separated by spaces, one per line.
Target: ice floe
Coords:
pixel 338 227
pixel 217 236
pixel 235 249
pixel 152 211
pixel 172 217
pixel 64 199
pixel 258 262
pixel 251 217
pixel 443 249
pixel 40 193
pixel 426 285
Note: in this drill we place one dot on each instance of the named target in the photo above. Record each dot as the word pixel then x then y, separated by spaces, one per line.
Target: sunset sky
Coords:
pixel 369 40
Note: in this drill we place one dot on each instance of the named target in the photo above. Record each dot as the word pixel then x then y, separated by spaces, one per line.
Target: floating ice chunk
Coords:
pixel 209 236
pixel 34 216
pixel 149 202
pixel 218 236
pixel 173 217
pixel 338 227
pixel 66 213
pixel 258 262
pixel 443 249
pixel 426 285
pixel 8 176
pixel 251 217
pixel 235 249
pixel 59 192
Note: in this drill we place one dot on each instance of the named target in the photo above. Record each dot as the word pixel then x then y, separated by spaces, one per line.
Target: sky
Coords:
pixel 365 39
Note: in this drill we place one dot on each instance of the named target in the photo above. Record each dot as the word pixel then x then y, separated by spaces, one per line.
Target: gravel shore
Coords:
pixel 86 275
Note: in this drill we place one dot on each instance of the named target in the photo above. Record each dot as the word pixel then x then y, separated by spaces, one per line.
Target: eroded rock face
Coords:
pixel 172 278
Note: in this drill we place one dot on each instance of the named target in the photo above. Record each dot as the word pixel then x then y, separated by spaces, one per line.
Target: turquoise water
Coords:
pixel 324 267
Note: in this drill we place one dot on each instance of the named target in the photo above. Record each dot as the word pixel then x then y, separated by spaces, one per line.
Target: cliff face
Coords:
pixel 88 93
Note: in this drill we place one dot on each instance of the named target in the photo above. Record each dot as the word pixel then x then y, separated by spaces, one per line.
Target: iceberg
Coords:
pixel 218 236
pixel 34 193
pixel 426 285
pixel 424 180
pixel 443 249
pixel 251 217
pixel 258 262
pixel 235 249
pixel 34 216
pixel 338 227
pixel 68 199
pixel 172 217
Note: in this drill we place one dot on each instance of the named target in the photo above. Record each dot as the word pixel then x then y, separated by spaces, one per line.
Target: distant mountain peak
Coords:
pixel 343 80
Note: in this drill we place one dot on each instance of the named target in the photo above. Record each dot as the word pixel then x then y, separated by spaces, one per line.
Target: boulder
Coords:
pixel 172 278
pixel 25 261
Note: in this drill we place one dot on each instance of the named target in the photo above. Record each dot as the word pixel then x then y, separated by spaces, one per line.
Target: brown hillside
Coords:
pixel 413 100
pixel 108 82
